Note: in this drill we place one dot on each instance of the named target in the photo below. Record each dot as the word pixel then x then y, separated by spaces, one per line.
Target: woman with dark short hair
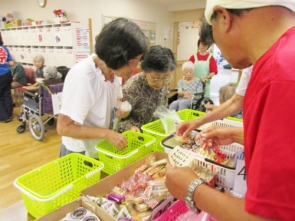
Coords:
pixel 92 88
pixel 149 89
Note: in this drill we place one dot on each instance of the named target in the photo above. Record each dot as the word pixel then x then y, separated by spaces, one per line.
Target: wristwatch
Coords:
pixel 189 198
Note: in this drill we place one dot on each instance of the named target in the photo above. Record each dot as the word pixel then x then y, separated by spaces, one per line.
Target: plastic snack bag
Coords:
pixel 126 107
pixel 169 119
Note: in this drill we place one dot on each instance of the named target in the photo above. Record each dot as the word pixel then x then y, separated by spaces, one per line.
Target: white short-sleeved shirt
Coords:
pixel 88 100
pixel 244 80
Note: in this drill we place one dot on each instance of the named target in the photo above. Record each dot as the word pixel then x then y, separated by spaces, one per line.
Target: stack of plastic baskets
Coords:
pixel 138 146
pixel 57 183
pixel 156 128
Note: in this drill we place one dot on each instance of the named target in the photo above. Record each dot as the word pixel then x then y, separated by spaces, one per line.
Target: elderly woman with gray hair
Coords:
pixel 39 64
pixel 187 87
pixel 226 92
pixel 42 71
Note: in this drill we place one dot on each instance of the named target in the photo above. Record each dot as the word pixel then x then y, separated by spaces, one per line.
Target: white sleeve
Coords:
pixel 77 98
pixel 243 84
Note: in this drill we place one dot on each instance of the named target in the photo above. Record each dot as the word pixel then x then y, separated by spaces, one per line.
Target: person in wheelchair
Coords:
pixel 49 76
pixel 226 92
pixel 190 88
pixel 39 72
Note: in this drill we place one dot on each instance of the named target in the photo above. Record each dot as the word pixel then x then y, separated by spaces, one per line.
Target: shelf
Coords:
pixel 60 44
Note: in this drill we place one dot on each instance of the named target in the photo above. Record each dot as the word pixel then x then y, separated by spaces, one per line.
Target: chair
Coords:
pixel 63 70
pixel 19 91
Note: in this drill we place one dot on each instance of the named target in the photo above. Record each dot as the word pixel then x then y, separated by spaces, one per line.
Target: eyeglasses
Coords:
pixel 157 80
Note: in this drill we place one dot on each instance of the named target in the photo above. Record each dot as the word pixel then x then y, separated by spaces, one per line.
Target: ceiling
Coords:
pixel 178 5
pixel 172 2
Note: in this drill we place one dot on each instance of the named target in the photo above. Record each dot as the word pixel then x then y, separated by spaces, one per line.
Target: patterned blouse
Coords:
pixel 196 86
pixel 144 101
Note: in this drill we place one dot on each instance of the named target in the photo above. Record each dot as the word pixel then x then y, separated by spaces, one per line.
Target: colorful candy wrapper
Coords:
pixel 116 197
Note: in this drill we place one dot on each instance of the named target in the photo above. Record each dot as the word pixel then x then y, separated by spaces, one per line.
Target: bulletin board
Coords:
pixel 148 28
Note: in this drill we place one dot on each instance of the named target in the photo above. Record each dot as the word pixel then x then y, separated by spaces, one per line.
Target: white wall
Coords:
pixel 187 46
pixel 80 11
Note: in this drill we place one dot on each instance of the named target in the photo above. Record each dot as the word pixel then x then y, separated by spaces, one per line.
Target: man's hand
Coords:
pixel 217 135
pixel 186 127
pixel 116 139
pixel 122 114
pixel 178 180
pixel 136 129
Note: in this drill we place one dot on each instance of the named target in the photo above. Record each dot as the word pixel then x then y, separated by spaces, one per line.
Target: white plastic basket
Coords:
pixel 225 175
pixel 227 123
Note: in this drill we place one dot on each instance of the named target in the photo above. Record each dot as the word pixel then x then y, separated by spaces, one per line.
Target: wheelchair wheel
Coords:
pixel 36 127
pixel 51 121
pixel 205 101
pixel 21 128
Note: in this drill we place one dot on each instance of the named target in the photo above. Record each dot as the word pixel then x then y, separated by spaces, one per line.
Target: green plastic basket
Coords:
pixel 57 183
pixel 189 114
pixel 138 146
pixel 156 129
pixel 234 119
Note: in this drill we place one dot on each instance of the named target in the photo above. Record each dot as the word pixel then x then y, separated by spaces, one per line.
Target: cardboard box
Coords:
pixel 16 23
pixel 105 185
pixel 80 202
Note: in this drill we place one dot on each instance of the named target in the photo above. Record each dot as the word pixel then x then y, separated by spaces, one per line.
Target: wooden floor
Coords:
pixel 21 153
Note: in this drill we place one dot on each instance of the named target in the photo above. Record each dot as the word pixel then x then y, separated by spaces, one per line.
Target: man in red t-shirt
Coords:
pixel 261 33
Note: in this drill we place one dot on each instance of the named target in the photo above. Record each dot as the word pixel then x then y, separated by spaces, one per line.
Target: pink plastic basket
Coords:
pixel 173 211
pixel 178 209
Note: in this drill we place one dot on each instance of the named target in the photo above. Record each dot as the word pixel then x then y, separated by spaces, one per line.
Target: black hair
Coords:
pixel 120 41
pixel 237 12
pixel 159 59
pixel 206 34
pixel 1 41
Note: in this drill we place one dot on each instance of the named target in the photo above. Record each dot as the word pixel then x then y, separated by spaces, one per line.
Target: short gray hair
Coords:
pixel 227 91
pixel 50 72
pixel 188 65
pixel 40 57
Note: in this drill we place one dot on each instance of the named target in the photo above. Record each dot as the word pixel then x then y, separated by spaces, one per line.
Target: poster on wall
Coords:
pixel 167 32
pixel 107 20
pixel 152 37
pixel 148 28
pixel 82 35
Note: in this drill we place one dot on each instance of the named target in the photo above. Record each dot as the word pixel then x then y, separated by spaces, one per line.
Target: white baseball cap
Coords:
pixel 239 4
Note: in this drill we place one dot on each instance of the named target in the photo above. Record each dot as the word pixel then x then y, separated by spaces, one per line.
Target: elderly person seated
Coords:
pixel 39 72
pixel 187 87
pixel 225 93
pixel 148 90
pixel 18 72
pixel 50 76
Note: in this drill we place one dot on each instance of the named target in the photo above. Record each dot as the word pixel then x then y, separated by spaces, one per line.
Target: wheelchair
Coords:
pixel 196 104
pixel 37 107
pixel 200 103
